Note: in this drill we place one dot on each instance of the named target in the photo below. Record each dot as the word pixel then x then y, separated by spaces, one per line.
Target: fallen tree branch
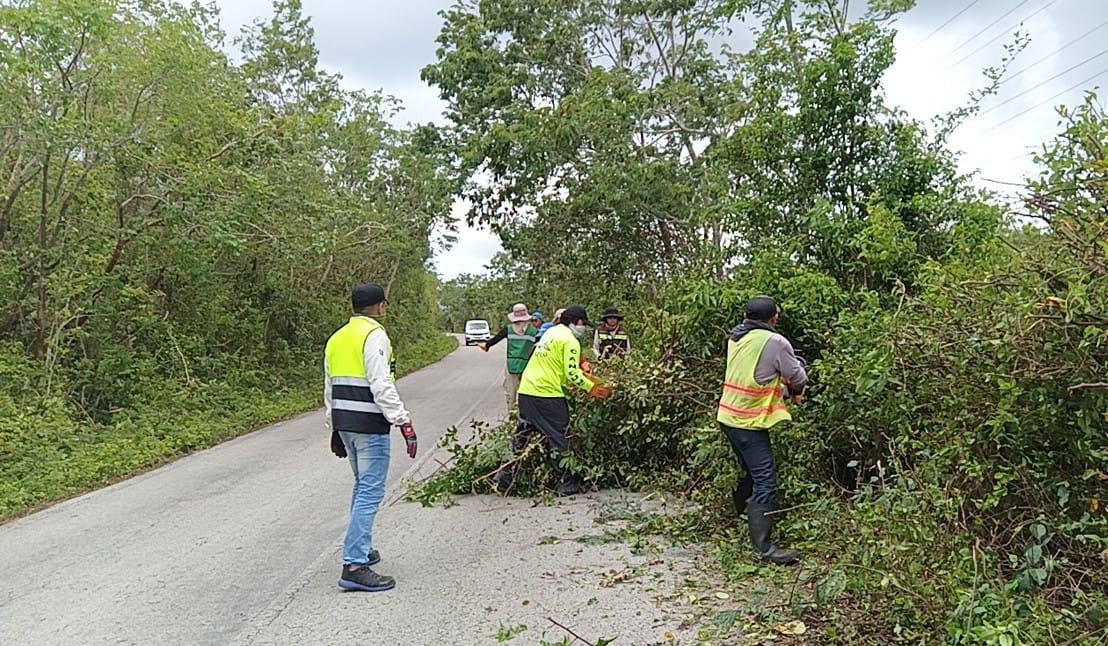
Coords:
pixel 575 635
pixel 1097 384
pixel 781 511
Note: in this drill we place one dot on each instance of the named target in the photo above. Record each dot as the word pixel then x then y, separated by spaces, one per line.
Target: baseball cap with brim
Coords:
pixel 367 295
pixel 761 308
pixel 575 313
pixel 519 314
pixel 537 315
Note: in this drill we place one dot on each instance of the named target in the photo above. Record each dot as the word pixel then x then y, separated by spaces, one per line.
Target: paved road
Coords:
pixel 191 553
pixel 467 571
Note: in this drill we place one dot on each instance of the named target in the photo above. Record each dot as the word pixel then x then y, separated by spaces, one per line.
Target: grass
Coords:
pixel 48 454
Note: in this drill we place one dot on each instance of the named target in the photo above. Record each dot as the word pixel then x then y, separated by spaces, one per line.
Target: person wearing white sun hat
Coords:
pixel 520 334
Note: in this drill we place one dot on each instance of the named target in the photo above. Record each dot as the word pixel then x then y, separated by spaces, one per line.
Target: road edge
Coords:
pixel 271 612
pixel 171 461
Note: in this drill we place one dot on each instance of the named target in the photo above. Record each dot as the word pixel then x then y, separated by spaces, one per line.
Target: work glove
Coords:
pixel 601 391
pixel 408 431
pixel 586 366
pixel 337 447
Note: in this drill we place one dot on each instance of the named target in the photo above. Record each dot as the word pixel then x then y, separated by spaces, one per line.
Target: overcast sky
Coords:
pixel 383 44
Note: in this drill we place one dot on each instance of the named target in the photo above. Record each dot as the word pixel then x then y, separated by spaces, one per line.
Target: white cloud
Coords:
pixel 474 249
pixel 928 78
pixel 383 44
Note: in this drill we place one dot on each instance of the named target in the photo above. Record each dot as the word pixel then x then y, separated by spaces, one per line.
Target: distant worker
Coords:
pixel 761 369
pixel 537 319
pixel 543 407
pixel 521 340
pixel 362 405
pixel 610 338
pixel 551 323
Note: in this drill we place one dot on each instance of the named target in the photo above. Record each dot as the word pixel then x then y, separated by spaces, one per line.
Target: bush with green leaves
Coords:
pixel 179 233
pixel 949 469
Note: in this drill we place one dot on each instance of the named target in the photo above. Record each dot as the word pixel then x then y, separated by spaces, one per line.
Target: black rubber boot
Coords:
pixel 761 530
pixel 741 495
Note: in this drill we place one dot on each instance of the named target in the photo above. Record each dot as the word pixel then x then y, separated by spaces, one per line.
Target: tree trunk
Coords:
pixel 40 335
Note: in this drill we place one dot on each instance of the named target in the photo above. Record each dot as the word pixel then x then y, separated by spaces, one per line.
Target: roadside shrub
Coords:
pixel 951 465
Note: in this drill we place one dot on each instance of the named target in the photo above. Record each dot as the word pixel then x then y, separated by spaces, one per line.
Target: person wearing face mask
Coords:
pixel 543 407
pixel 521 339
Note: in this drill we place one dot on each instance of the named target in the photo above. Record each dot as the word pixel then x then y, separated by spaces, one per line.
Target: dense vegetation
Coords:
pixel 948 473
pixel 179 233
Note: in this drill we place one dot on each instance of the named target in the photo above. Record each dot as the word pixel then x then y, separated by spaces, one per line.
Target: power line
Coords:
pixel 1041 103
pixel 948 21
pixel 1055 52
pixel 1005 32
pixel 989 26
pixel 1039 85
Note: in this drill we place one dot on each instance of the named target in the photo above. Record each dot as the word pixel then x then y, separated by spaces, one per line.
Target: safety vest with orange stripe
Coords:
pixel 745 402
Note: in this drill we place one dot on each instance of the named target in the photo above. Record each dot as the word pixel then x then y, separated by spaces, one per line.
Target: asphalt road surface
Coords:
pixel 191 553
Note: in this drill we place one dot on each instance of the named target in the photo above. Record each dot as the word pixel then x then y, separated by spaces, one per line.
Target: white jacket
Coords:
pixel 377 356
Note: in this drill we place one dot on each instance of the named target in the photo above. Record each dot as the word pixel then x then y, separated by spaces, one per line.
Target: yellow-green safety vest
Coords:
pixel 352 405
pixel 555 364
pixel 745 403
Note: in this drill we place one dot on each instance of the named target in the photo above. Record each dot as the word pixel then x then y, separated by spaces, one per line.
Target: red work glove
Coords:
pixel 586 366
pixel 337 447
pixel 408 431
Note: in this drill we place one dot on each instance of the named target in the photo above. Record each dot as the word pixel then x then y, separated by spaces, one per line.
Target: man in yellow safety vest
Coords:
pixel 362 406
pixel 762 370
pixel 543 408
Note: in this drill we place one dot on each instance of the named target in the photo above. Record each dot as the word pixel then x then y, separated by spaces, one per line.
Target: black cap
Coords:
pixel 574 313
pixel 367 295
pixel 761 308
pixel 611 313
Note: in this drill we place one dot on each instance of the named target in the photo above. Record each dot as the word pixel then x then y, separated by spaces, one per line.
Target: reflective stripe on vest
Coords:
pixel 745 403
pixel 611 342
pixel 352 405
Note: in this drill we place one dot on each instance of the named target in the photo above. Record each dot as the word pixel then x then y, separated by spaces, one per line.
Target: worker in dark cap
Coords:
pixel 543 408
pixel 610 337
pixel 762 370
pixel 362 406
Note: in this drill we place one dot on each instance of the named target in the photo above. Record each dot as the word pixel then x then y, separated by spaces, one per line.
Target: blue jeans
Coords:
pixel 369 460
pixel 756 455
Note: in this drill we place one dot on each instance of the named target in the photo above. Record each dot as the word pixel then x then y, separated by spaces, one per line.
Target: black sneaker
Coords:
pixel 502 482
pixel 365 580
pixel 374 558
pixel 568 488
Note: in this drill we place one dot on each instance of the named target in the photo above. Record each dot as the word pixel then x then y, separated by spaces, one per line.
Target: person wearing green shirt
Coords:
pixel 521 340
pixel 543 407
